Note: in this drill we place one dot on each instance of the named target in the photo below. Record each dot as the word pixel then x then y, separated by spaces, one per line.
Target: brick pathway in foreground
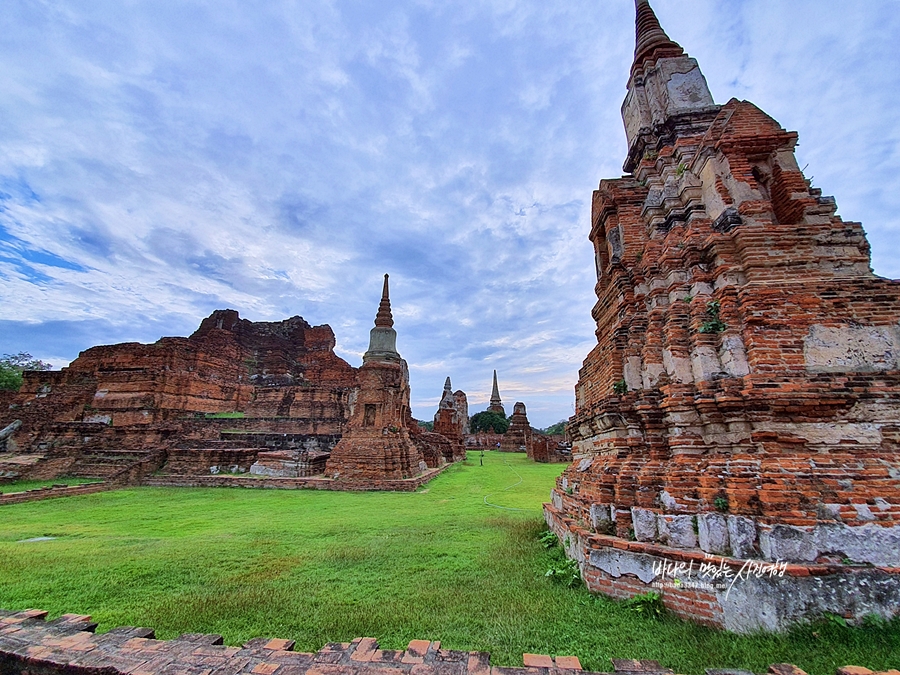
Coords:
pixel 29 645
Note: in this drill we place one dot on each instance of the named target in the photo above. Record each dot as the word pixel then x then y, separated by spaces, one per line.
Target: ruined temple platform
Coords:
pixel 308 483
pixel 54 492
pixel 229 481
pixel 68 645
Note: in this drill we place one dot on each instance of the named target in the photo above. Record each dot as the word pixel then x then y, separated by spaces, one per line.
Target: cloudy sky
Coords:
pixel 160 159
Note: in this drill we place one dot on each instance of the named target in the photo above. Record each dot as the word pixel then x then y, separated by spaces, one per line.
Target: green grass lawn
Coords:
pixel 23 485
pixel 330 566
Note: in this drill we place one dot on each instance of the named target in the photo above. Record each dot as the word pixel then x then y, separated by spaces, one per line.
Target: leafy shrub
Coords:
pixel 649 605
pixel 548 539
pixel 562 570
pixel 836 620
pixel 566 573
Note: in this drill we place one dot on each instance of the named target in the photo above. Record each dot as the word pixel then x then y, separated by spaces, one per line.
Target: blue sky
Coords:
pixel 160 159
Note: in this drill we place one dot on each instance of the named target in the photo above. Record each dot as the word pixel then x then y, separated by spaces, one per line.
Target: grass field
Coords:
pixel 330 566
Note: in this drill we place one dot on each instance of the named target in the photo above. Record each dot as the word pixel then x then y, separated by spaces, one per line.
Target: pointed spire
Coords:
pixel 650 39
pixel 383 337
pixel 496 404
pixel 384 318
pixel 447 396
pixel 495 393
pixel 661 98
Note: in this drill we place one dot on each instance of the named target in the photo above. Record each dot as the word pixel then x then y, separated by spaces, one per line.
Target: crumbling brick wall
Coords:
pixel 115 404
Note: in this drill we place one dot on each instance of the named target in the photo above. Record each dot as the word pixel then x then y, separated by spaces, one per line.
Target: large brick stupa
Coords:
pixel 741 408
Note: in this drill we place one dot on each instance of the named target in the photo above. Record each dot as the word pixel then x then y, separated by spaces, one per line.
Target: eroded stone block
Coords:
pixel 712 533
pixel 852 348
pixel 677 531
pixel 741 536
pixel 617 563
pixel 792 544
pixel 644 523
pixel 602 516
pixel 871 544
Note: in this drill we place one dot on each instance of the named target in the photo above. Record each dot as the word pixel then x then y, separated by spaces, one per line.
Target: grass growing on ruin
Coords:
pixel 328 566
pixel 23 485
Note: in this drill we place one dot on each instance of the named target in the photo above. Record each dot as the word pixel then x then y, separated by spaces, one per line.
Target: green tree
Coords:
pixel 557 429
pixel 13 365
pixel 427 426
pixel 489 422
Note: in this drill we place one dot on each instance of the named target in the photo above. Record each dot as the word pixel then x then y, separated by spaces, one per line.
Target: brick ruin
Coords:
pixel 743 400
pixel 520 436
pixel 741 407
pixel 378 441
pixel 483 441
pixel 452 419
pixel 550 449
pixel 236 397
pixel 118 405
pixel 69 645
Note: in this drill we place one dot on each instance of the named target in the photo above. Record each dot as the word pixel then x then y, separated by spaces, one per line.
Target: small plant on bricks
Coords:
pixel 713 323
pixel 548 539
pixel 649 605
pixel 620 387
pixel 562 570
pixel 566 573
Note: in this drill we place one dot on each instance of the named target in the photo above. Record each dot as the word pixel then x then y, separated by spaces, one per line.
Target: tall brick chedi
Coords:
pixel 377 444
pixel 743 398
